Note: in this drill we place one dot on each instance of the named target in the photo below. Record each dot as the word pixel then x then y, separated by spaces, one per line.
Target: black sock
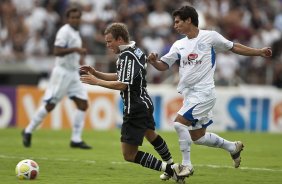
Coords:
pixel 148 160
pixel 162 148
pixel 169 170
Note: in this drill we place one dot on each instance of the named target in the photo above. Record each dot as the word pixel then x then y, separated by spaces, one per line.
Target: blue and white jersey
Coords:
pixel 68 37
pixel 197 59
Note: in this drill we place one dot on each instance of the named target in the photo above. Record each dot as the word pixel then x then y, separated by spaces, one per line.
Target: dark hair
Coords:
pixel 118 30
pixel 73 9
pixel 186 12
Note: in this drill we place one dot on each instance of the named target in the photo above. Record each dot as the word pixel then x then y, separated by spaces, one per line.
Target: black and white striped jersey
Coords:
pixel 131 70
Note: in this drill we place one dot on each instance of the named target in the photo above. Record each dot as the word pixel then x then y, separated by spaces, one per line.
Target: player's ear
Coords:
pixel 188 20
pixel 120 39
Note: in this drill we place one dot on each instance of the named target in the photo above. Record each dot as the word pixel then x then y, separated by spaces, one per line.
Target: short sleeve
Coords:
pixel 172 56
pixel 220 43
pixel 61 38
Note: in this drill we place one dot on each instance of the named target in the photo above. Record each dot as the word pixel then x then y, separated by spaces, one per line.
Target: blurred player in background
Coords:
pixel 195 54
pixel 138 121
pixel 65 80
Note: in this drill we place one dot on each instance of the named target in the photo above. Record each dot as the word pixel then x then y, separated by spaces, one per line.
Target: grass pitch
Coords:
pixel 261 159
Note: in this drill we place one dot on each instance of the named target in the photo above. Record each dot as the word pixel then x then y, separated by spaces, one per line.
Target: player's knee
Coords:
pixel 200 141
pixel 179 127
pixel 49 107
pixel 83 106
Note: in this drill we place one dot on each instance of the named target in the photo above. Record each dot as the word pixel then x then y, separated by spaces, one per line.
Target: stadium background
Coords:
pixel 248 88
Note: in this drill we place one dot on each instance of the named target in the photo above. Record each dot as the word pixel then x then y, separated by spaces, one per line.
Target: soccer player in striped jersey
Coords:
pixel 195 54
pixel 138 121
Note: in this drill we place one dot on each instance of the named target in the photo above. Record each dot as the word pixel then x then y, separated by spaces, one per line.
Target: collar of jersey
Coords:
pixel 123 47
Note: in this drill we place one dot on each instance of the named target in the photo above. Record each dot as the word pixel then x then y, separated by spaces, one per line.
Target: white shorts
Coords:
pixel 64 82
pixel 197 107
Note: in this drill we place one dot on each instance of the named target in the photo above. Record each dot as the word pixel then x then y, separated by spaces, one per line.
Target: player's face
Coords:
pixel 112 43
pixel 74 19
pixel 180 26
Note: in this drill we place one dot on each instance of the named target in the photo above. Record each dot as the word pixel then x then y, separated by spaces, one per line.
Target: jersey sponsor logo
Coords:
pixel 138 52
pixel 128 72
pixel 192 56
pixel 202 47
pixel 192 60
pixel 119 67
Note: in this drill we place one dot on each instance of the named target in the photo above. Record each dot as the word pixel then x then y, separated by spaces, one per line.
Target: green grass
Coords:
pixel 59 164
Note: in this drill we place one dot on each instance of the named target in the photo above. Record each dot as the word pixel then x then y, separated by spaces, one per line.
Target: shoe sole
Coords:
pixel 166 179
pixel 237 157
pixel 187 175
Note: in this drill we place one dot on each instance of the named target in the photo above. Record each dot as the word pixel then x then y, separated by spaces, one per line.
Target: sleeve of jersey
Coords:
pixel 61 39
pixel 129 68
pixel 221 44
pixel 172 56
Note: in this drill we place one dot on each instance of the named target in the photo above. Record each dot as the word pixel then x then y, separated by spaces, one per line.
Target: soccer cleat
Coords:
pixel 165 176
pixel 26 139
pixel 81 145
pixel 176 177
pixel 236 155
pixel 183 171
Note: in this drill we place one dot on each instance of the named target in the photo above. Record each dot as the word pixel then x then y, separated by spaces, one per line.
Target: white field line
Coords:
pixel 242 168
pixel 118 162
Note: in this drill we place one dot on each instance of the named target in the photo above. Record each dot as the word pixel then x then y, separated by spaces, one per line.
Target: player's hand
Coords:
pixel 85 69
pixel 89 79
pixel 152 58
pixel 266 52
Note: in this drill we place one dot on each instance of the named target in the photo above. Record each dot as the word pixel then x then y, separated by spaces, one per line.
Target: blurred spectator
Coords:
pixel 24 7
pixel 51 24
pixel 159 20
pixel 26 26
pixel 87 26
pixel 153 43
pixel 227 67
pixel 278 21
pixel 37 19
pixel 36 45
pixel 18 34
pixel 277 65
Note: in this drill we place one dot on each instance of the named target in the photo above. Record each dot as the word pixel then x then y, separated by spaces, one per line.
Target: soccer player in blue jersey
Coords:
pixel 195 54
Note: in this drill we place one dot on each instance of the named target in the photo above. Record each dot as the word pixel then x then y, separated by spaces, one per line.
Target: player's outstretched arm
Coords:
pixel 249 51
pixel 158 64
pixel 101 75
pixel 92 80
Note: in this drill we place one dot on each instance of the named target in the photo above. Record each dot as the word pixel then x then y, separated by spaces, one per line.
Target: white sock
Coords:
pixel 36 119
pixel 163 167
pixel 213 140
pixel 185 142
pixel 77 126
pixel 170 161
